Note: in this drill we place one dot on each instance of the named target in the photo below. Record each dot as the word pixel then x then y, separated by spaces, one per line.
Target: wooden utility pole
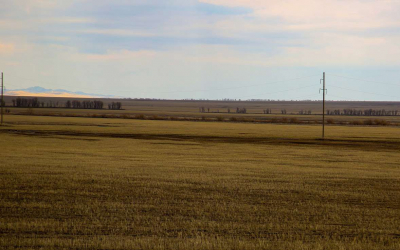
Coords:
pixel 2 97
pixel 323 105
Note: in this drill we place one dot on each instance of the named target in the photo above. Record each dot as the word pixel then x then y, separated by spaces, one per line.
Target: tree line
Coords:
pixel 208 110
pixel 244 111
pixel 84 104
pixel 267 111
pixel 33 103
pixel 115 105
pixel 74 104
pixel 305 112
pixel 367 112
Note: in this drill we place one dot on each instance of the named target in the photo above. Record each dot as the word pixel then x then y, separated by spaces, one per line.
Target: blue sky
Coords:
pixel 208 49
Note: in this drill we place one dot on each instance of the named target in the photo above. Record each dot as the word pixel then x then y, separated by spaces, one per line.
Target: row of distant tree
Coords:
pixel 349 112
pixel 305 112
pixel 84 104
pixel 367 112
pixel 208 110
pixel 74 104
pixel 115 105
pixel 267 111
pixel 284 112
pixel 28 102
pixel 244 111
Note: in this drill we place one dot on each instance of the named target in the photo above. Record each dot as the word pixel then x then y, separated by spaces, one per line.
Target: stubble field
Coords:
pixel 98 183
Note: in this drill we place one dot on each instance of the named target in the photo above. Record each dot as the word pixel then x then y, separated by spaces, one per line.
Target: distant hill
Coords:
pixel 39 91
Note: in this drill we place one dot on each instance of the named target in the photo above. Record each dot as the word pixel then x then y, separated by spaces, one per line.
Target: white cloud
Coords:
pixel 29 6
pixel 67 20
pixel 7 48
pixel 119 32
pixel 120 55
pixel 349 50
pixel 328 14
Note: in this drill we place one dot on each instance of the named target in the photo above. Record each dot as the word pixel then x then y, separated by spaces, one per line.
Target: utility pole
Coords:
pixel 324 90
pixel 2 97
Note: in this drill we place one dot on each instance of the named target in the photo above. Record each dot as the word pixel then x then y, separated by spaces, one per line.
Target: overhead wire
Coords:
pixel 301 97
pixel 363 80
pixel 254 85
pixel 343 98
pixel 272 93
pixel 237 87
pixel 45 82
pixel 363 91
pixel 199 90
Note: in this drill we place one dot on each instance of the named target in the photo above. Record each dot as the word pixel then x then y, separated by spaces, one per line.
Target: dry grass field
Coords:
pixel 93 183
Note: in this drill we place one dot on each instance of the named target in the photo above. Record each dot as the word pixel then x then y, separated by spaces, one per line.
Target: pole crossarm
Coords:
pixel 2 97
pixel 324 92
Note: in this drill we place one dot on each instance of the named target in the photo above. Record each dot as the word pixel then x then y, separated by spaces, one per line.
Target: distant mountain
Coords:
pixel 39 91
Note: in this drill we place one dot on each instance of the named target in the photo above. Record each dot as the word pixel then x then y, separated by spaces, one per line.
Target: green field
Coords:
pixel 93 183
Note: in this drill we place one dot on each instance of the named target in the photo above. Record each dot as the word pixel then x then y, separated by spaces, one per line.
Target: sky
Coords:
pixel 205 49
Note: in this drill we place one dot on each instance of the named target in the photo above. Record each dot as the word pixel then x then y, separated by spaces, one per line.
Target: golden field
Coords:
pixel 94 183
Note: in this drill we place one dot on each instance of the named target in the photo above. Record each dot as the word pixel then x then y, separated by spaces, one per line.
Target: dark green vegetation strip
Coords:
pixel 363 144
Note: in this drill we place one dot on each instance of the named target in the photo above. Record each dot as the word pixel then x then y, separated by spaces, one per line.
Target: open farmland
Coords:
pixel 94 183
pixel 218 110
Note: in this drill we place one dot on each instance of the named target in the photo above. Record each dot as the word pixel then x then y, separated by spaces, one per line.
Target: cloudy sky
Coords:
pixel 211 49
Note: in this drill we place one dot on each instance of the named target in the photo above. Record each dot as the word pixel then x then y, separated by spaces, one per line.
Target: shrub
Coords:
pixel 294 120
pixel 220 118
pixel 233 119
pixel 30 111
pixel 356 123
pixel 368 122
pixel 381 122
pixel 284 120
pixel 330 121
pixel 139 116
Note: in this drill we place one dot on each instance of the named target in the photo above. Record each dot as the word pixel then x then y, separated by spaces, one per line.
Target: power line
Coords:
pixel 343 98
pixel 352 78
pixel 189 91
pixel 324 90
pixel 237 87
pixel 2 96
pixel 272 93
pixel 301 97
pixel 14 86
pixel 364 92
pixel 50 83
